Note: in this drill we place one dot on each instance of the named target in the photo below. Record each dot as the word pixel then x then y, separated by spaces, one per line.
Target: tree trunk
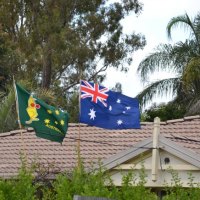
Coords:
pixel 46 72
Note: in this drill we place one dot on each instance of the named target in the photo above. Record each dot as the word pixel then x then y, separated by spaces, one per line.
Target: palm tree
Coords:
pixel 182 59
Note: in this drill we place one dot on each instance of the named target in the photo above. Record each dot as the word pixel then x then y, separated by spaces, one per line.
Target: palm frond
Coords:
pixel 158 60
pixel 181 54
pixel 47 95
pixel 8 116
pixel 197 25
pixel 158 89
pixel 192 71
pixel 194 107
pixel 182 21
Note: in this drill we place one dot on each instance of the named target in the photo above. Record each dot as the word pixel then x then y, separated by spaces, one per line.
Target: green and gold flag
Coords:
pixel 48 122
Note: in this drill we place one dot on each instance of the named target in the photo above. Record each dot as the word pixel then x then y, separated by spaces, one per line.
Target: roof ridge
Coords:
pixel 13 132
pixel 146 123
pixel 76 124
pixel 192 117
pixel 187 118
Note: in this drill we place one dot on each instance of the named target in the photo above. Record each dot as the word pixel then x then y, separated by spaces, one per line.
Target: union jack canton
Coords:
pixel 94 91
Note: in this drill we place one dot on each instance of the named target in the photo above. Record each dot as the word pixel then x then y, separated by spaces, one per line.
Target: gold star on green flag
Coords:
pixel 48 122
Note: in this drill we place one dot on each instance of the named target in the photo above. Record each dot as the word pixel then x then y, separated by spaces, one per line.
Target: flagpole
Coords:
pixel 18 119
pixel 79 128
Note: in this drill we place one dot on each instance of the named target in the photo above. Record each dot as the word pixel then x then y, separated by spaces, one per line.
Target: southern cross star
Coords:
pixel 119 122
pixel 46 121
pixel 62 122
pixel 118 100
pixel 92 113
pixel 49 111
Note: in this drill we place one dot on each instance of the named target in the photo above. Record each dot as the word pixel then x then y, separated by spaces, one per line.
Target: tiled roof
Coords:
pixel 95 144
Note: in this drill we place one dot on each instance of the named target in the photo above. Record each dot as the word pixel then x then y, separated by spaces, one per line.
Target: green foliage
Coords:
pixel 20 187
pixel 6 190
pixel 24 188
pixel 133 187
pixel 48 194
pixel 73 106
pixel 82 183
pixel 8 116
pixel 63 188
pixel 164 112
pixel 4 73
pixel 175 191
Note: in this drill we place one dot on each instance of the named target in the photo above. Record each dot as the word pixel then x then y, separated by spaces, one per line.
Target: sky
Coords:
pixel 152 24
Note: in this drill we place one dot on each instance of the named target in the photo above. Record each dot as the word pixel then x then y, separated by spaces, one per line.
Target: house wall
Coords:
pixel 169 166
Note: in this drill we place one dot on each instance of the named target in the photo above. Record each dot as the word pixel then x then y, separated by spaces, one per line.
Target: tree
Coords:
pixel 4 73
pixel 55 43
pixel 183 59
pixel 164 112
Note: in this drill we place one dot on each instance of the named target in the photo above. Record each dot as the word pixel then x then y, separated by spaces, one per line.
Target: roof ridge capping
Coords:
pixel 173 120
pixel 183 119
pixel 77 124
pixel 146 123
pixel 13 132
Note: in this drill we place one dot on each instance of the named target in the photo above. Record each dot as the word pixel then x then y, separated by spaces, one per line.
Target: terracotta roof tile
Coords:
pixel 95 144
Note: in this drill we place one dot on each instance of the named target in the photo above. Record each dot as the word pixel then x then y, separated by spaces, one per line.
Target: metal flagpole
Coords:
pixel 18 119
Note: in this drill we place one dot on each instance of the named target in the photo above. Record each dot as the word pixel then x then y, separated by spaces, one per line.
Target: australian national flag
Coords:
pixel 107 109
